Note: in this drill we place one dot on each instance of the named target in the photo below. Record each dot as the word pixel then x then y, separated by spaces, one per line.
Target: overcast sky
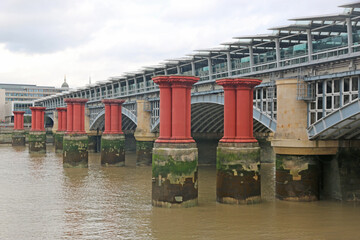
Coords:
pixel 41 40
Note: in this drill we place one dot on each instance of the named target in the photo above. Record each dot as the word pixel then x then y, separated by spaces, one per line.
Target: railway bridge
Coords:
pixel 307 106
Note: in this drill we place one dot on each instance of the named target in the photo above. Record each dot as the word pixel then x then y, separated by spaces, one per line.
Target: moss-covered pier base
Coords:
pixel 238 173
pixel 75 150
pixel 297 177
pixel 58 141
pixel 174 175
pixel 112 150
pixel 37 141
pixel 18 138
pixel 144 150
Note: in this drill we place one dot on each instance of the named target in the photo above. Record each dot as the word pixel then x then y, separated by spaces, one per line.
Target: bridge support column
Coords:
pixel 143 135
pixel 297 177
pixel 37 135
pixel 75 143
pixel 61 128
pixel 113 139
pixel 175 155
pixel 297 164
pixel 238 152
pixel 18 136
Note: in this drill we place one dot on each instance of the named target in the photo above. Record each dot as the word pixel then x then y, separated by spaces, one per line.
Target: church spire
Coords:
pixel 65 85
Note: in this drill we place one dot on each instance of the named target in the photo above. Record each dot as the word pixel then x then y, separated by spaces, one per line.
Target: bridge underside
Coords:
pixel 343 123
pixel 127 124
pixel 209 118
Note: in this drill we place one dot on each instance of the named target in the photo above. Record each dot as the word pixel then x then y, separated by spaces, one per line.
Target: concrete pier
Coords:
pixel 61 128
pixel 75 144
pixel 175 155
pixel 297 158
pixel 143 135
pixel 113 139
pixel 18 135
pixel 297 178
pixel 238 152
pixel 37 134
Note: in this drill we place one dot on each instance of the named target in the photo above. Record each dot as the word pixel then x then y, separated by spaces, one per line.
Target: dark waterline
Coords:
pixel 39 199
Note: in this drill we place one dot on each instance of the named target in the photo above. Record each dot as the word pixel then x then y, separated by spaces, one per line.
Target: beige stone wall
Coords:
pixel 291 129
pixel 55 126
pixel 8 109
pixel 143 131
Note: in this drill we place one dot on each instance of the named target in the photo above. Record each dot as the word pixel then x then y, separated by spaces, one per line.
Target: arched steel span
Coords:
pixel 129 120
pixel 207 114
pixel 343 123
pixel 50 115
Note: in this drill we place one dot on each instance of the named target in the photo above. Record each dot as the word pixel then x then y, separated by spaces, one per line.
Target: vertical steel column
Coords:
pixel 229 67
pixel 193 68
pixel 251 54
pixel 310 45
pixel 210 68
pixel 350 34
pixel 278 56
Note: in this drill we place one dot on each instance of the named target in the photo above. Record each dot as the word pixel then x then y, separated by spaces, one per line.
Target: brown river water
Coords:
pixel 39 199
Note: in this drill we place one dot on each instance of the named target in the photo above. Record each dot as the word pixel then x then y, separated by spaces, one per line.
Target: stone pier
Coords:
pixel 61 123
pixel 75 143
pixel 18 135
pixel 143 135
pixel 37 135
pixel 175 155
pixel 297 158
pixel 238 152
pixel 113 139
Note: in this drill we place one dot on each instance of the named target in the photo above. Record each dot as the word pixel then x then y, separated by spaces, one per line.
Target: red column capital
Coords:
pixel 227 83
pixel 238 109
pixel 113 101
pixel 18 120
pixel 247 83
pixel 61 119
pixel 37 118
pixel 75 118
pixel 182 81
pixel 162 81
pixel 175 108
pixel 113 116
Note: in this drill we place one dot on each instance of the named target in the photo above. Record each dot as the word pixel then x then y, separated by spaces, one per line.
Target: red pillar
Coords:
pixel 22 121
pixel 82 122
pixel 107 129
pixel 18 120
pixel 179 113
pixel 64 119
pixel 61 119
pixel 37 118
pixel 229 109
pixel 175 108
pixel 113 118
pixel 69 117
pixel 75 115
pixel 165 107
pixel 238 109
pixel 188 111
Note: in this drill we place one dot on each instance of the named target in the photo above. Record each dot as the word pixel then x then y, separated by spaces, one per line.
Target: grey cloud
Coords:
pixel 43 26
